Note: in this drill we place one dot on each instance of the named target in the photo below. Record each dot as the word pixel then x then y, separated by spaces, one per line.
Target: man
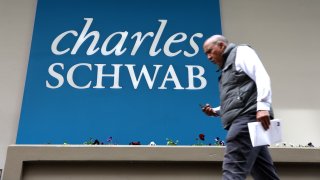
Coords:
pixel 245 96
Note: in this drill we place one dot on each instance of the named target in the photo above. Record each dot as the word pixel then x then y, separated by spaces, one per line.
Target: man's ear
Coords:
pixel 222 45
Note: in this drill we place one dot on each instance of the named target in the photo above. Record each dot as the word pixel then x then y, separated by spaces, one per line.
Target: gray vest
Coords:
pixel 238 92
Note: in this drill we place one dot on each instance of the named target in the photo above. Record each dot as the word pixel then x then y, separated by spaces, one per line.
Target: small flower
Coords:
pixel 109 140
pixel 310 144
pixel 135 143
pixel 90 142
pixel 199 140
pixel 170 142
pixel 219 142
pixel 96 142
pixel 201 137
pixel 152 143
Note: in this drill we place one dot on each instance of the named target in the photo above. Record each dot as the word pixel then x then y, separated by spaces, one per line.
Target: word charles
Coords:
pixel 195 73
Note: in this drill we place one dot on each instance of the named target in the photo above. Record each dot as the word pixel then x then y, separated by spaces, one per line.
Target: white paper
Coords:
pixel 260 137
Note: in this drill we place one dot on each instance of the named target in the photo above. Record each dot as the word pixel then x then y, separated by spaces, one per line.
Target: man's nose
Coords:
pixel 208 56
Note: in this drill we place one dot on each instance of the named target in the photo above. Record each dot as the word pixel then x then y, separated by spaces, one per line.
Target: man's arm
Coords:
pixel 208 110
pixel 263 117
pixel 248 61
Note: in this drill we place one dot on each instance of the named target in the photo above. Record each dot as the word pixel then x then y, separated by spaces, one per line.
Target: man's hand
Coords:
pixel 264 118
pixel 209 111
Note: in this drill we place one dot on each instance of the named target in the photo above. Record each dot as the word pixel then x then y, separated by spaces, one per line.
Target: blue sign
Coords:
pixel 130 70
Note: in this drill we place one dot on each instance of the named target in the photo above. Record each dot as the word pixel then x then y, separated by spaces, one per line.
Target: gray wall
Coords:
pixel 16 25
pixel 284 33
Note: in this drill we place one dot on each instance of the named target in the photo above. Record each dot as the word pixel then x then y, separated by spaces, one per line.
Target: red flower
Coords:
pixel 201 137
pixel 135 143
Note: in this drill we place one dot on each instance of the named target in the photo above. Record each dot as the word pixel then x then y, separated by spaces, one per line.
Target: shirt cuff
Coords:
pixel 263 106
pixel 217 110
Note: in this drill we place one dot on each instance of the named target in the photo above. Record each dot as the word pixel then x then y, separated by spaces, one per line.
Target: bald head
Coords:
pixel 216 39
pixel 214 48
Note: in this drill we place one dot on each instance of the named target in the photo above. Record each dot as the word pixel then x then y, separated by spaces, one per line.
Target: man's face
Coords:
pixel 214 51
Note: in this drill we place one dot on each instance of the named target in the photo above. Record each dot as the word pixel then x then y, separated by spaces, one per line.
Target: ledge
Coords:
pixel 18 154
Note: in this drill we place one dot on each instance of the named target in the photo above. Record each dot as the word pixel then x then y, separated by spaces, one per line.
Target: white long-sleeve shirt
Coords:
pixel 248 61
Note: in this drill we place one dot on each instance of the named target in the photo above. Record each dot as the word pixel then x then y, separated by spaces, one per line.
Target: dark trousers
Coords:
pixel 241 158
